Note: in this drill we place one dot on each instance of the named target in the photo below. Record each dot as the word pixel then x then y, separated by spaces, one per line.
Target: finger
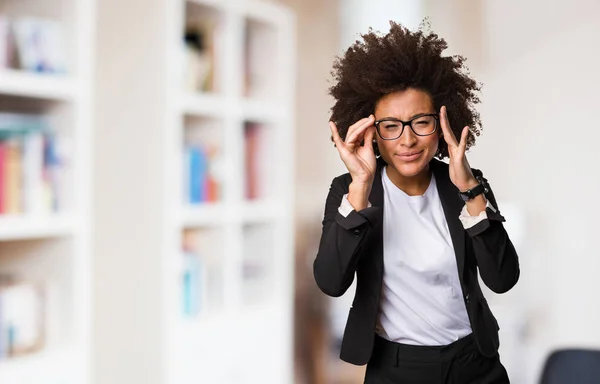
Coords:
pixel 445 123
pixel 369 136
pixel 339 143
pixel 354 127
pixel 358 130
pixel 463 139
pixel 334 133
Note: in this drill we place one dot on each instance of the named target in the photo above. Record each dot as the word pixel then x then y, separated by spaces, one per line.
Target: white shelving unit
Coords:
pixel 53 249
pixel 254 237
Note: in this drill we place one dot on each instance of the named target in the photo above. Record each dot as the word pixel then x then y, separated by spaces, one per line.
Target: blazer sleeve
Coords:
pixel 341 240
pixel 495 254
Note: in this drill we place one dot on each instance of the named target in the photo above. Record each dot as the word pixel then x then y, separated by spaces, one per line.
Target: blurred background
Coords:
pixel 164 166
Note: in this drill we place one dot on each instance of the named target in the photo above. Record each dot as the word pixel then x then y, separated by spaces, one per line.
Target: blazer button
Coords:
pixel 356 233
pixel 467 298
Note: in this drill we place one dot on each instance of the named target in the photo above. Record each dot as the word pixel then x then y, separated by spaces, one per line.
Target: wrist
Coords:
pixel 470 184
pixel 476 205
pixel 358 195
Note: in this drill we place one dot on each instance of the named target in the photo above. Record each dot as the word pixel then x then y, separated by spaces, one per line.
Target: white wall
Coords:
pixel 356 16
pixel 542 114
pixel 538 62
pixel 539 65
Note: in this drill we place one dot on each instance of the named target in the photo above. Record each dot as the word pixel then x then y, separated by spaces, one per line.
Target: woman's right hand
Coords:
pixel 359 159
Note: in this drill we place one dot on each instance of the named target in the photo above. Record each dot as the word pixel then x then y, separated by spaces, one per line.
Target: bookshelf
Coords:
pixel 45 192
pixel 244 235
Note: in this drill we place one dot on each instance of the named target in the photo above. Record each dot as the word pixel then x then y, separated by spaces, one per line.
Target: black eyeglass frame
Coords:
pixel 409 123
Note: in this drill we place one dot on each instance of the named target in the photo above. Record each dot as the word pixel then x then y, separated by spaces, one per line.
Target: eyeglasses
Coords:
pixel 421 125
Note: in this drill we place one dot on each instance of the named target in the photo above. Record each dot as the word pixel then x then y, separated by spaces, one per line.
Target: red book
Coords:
pixel 251 137
pixel 2 177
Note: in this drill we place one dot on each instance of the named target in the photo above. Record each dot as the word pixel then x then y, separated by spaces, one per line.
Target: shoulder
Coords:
pixel 443 166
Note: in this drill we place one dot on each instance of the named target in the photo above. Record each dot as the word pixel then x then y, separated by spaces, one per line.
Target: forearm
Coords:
pixel 497 258
pixel 341 238
pixel 337 257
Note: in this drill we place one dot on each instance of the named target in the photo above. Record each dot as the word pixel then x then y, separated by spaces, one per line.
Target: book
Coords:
pixel 32 166
pixel 22 319
pixel 251 138
pixel 12 203
pixel 201 174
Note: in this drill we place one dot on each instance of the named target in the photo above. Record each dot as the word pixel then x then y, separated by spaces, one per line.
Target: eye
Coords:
pixel 389 125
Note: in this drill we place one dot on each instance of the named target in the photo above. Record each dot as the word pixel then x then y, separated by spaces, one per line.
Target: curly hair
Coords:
pixel 402 59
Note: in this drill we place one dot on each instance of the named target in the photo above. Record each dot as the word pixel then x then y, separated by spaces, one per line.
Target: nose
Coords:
pixel 408 137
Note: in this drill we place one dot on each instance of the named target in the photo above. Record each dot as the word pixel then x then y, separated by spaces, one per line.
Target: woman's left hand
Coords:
pixel 460 170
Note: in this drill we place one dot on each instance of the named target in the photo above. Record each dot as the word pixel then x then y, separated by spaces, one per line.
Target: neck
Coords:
pixel 411 185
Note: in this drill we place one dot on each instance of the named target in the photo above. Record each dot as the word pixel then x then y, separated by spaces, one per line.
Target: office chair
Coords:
pixel 572 366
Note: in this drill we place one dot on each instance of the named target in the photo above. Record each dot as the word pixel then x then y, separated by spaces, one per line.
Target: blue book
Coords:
pixel 198 173
pixel 191 284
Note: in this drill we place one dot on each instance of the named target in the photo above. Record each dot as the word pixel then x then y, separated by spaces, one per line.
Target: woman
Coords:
pixel 414 230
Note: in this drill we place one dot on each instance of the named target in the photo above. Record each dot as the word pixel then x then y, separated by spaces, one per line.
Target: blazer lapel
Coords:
pixel 376 196
pixel 452 205
pixel 376 200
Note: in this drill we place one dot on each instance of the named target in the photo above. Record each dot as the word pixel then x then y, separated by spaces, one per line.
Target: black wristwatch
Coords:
pixel 469 194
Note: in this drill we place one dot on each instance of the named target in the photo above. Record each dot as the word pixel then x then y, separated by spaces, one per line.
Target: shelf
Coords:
pixel 217 4
pixel 188 326
pixel 261 211
pixel 46 367
pixel 263 111
pixel 264 12
pixel 36 85
pixel 209 214
pixel 225 319
pixel 21 227
pixel 248 212
pixel 203 105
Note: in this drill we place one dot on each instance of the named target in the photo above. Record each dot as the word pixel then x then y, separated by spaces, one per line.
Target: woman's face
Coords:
pixel 409 154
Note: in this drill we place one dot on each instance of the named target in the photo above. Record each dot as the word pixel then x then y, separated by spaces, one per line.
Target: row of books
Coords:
pixel 202 268
pixel 22 317
pixel 31 166
pixel 201 273
pixel 201 176
pixel 202 167
pixel 32 44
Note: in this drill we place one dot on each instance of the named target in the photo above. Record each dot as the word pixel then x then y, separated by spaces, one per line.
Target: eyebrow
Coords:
pixel 412 117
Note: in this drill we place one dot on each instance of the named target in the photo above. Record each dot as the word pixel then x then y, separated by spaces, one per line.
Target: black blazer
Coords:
pixel 354 245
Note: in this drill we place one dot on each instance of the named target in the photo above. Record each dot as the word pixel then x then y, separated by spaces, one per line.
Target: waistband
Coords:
pixel 393 352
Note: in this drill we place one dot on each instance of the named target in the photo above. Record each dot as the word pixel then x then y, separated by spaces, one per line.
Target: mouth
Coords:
pixel 410 156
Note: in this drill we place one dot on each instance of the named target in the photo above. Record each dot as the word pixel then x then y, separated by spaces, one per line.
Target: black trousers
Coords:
pixel 456 363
